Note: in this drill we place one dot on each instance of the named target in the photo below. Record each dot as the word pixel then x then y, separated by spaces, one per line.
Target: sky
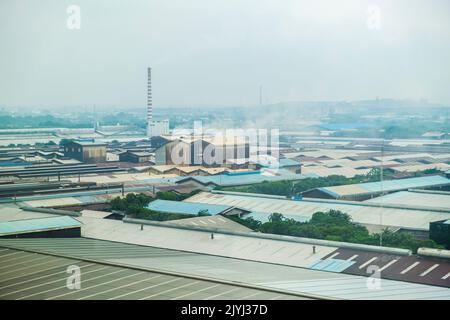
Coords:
pixel 219 52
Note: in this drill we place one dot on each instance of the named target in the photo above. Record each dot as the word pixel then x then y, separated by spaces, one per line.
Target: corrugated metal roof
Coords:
pixel 359 211
pixel 411 198
pixel 232 180
pixel 388 185
pixel 107 280
pixel 185 207
pixel 270 276
pixel 39 224
pixel 288 162
pixel 214 222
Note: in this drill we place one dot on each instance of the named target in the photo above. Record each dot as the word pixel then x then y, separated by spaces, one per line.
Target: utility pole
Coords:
pixel 382 190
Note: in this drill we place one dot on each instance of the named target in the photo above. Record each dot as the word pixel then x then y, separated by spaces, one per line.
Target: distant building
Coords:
pixel 189 208
pixel 158 128
pixel 434 135
pixel 135 156
pixel 50 227
pixel 88 152
pixel 290 165
pixel 364 191
pixel 205 151
pixel 231 179
pixel 159 141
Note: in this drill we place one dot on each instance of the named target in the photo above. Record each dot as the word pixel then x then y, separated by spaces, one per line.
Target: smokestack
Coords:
pixel 149 99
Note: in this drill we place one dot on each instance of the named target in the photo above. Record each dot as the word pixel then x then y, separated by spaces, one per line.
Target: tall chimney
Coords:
pixel 149 100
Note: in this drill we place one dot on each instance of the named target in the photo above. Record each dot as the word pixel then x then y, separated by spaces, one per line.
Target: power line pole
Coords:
pixel 382 190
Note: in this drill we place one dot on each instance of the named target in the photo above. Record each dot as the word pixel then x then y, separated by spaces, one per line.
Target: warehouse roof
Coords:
pixel 89 144
pixel 185 207
pixel 386 186
pixel 288 163
pixel 421 167
pixel 415 198
pixel 361 212
pixel 323 171
pixel 242 179
pixel 106 280
pixel 203 267
pixel 38 224
pixel 210 222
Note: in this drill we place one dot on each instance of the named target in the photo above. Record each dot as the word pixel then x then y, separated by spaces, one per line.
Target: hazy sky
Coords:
pixel 218 52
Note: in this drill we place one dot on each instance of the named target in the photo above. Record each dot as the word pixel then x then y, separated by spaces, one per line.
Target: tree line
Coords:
pixel 334 225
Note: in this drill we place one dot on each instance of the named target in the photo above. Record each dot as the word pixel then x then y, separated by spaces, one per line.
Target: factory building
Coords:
pixel 188 208
pixel 135 156
pixel 394 217
pixel 51 227
pixel 205 151
pixel 364 191
pixel 88 152
pixel 232 179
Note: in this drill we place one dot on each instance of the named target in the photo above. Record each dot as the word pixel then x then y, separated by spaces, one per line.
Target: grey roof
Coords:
pixel 204 268
pixel 37 276
pixel 415 198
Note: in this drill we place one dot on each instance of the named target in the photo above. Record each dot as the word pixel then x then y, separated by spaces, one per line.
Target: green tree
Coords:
pixel 203 213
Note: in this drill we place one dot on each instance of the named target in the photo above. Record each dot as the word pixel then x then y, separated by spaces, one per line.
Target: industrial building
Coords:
pixel 364 191
pixel 350 162
pixel 107 280
pixel 88 152
pixel 205 151
pixel 194 208
pixel 230 179
pixel 215 223
pixel 135 156
pixel 234 264
pixel 51 227
pixel 56 170
pixel 374 216
pixel 290 165
pixel 418 198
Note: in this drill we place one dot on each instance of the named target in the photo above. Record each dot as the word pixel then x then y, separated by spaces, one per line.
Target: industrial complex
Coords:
pixel 164 215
